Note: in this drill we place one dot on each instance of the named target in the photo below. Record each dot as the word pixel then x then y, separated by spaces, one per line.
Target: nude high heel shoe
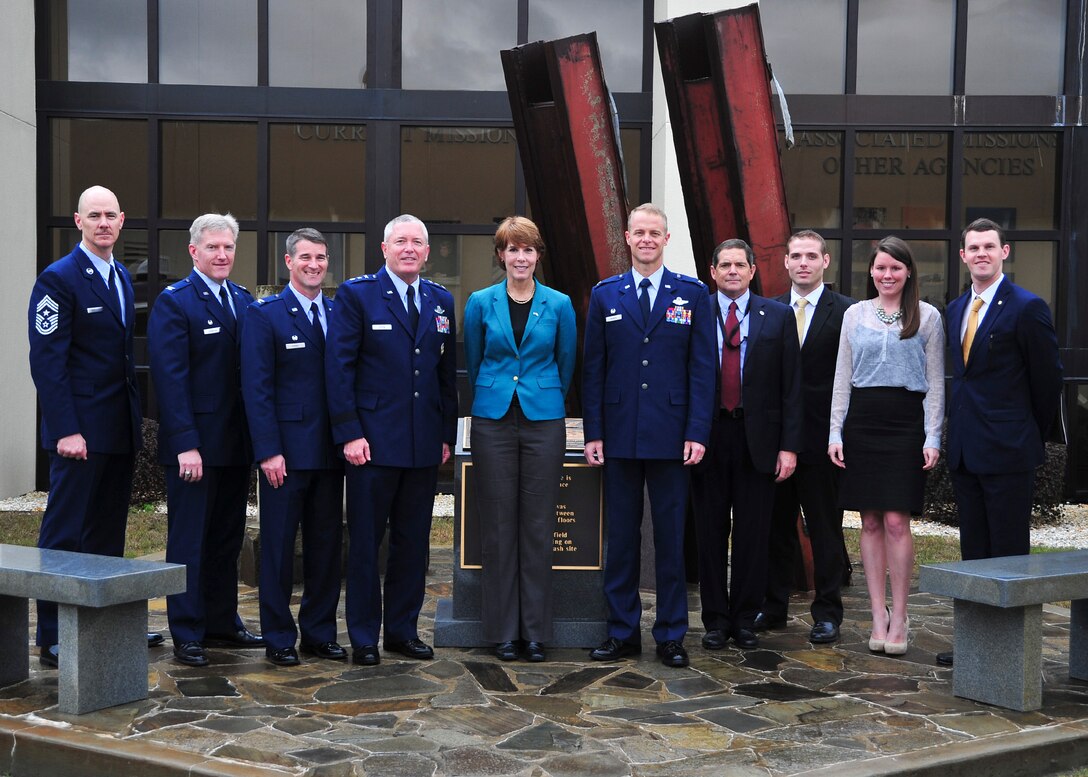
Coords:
pixel 877 645
pixel 899 648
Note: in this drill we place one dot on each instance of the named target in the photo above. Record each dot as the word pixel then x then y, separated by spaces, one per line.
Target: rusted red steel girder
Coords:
pixel 718 92
pixel 570 153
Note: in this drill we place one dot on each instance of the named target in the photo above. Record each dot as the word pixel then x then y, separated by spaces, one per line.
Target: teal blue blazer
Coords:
pixel 540 371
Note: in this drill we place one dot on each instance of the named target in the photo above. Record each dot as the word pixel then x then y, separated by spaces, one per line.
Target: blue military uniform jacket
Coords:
pixel 283 383
pixel 1006 396
pixel 194 345
pixel 81 356
pixel 396 389
pixel 648 388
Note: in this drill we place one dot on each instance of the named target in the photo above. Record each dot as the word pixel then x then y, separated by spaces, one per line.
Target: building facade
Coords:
pixel 910 118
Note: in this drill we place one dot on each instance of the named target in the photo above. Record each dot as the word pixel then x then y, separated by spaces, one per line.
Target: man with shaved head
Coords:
pixel 81 323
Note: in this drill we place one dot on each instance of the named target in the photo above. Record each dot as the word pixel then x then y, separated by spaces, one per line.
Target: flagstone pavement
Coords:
pixel 786 708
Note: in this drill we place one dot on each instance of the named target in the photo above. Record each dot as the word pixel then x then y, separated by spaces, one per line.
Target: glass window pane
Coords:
pixel 1012 177
pixel 1015 47
pixel 930 260
pixel 347 256
pixel 208 42
pixel 176 263
pixel 905 48
pixel 631 148
pixel 1031 264
pixel 463 264
pixel 99 40
pixel 458 175
pixel 209 167
pixel 318 43
pixel 104 152
pixel 456 45
pixel 619 28
pixel 317 171
pixel 900 180
pixel 806 44
pixel 812 171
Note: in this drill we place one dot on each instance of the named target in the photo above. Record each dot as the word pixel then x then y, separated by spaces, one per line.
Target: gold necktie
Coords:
pixel 801 302
pixel 972 327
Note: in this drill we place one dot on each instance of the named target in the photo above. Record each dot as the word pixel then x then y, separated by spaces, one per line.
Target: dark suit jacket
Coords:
pixel 818 357
pixel 195 364
pixel 648 388
pixel 1007 395
pixel 770 383
pixel 283 384
pixel 81 356
pixel 396 389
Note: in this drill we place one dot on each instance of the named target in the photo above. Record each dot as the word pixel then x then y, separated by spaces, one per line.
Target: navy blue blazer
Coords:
pixel 648 388
pixel 1006 396
pixel 283 384
pixel 194 348
pixel 770 382
pixel 541 369
pixel 397 390
pixel 81 356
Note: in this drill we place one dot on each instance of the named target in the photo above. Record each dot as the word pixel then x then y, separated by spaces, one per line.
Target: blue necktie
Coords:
pixel 413 311
pixel 644 300
pixel 315 321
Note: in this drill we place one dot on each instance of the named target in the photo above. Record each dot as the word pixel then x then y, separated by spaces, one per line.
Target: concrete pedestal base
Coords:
pixel 1078 639
pixel 103 659
pixel 999 654
pixel 15 652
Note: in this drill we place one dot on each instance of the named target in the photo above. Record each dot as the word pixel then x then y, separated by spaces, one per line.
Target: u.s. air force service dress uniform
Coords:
pixel 396 388
pixel 647 388
pixel 82 364
pixel 193 342
pixel 283 382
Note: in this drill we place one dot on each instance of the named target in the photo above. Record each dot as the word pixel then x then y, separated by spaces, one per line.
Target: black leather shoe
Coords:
pixel 764 622
pixel 944 659
pixel 283 656
pixel 672 654
pixel 715 639
pixel 190 654
pixel 534 652
pixel 823 632
pixel 506 651
pixel 154 639
pixel 613 649
pixel 367 655
pixel 412 648
pixel 330 651
pixel 745 638
pixel 49 656
pixel 243 638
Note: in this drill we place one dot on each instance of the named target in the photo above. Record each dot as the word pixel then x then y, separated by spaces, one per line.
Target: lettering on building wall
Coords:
pixel 334 132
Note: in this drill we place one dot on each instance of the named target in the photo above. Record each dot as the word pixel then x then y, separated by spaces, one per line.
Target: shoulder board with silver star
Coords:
pixel 178 285
pixel 612 279
pixel 433 283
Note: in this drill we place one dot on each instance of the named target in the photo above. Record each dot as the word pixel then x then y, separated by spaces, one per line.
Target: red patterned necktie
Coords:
pixel 731 360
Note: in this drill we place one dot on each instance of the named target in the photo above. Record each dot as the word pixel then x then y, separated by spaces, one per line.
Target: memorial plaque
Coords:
pixel 578 533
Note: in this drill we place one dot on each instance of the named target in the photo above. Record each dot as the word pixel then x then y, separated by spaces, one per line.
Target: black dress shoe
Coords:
pixel 49 656
pixel 672 654
pixel 534 652
pixel 613 649
pixel 823 632
pixel 944 659
pixel 330 651
pixel 367 655
pixel 765 622
pixel 282 656
pixel 154 639
pixel 190 654
pixel 412 648
pixel 243 638
pixel 745 638
pixel 506 651
pixel 715 639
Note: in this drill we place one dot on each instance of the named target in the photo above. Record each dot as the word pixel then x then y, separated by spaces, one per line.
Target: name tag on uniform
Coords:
pixel 616 317
pixel 292 346
pixel 212 330
pixel 94 310
pixel 381 327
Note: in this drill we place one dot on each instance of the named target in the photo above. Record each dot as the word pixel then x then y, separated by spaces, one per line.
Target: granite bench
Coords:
pixel 101 619
pixel 997 633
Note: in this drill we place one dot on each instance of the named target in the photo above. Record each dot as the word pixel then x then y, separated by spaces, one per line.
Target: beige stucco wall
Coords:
pixel 17 171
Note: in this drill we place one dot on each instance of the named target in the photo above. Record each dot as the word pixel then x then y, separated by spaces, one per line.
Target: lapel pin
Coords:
pixel 625 288
pixel 761 312
pixel 90 271
pixel 611 310
pixel 294 337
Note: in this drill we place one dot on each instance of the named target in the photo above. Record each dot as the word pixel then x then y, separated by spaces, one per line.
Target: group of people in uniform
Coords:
pixel 720 398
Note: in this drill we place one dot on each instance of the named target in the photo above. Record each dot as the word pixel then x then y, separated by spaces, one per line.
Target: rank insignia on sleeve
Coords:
pixel 46 316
